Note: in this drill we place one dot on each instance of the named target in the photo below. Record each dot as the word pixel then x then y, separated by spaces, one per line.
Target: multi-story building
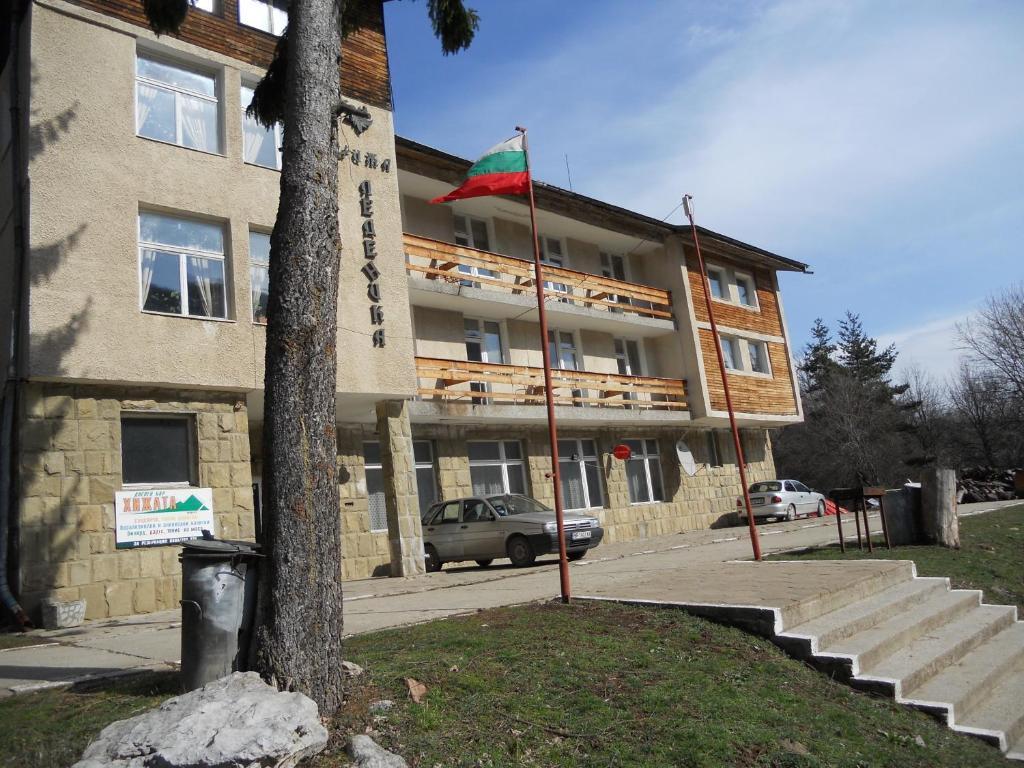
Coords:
pixel 135 210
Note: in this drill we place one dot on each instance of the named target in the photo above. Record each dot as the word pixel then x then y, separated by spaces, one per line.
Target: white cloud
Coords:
pixel 933 346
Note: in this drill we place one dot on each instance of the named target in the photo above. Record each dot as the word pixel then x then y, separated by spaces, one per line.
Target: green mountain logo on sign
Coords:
pixel 191 504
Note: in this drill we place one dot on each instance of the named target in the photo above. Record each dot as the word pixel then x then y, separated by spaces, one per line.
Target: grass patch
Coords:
pixel 52 728
pixel 989 557
pixel 613 685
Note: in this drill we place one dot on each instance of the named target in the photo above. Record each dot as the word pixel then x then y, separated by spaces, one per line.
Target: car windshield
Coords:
pixel 769 487
pixel 516 504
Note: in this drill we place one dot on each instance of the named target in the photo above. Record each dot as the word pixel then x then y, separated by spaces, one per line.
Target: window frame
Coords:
pixel 256 265
pixel 714 449
pixel 502 461
pixel 277 130
pixel 182 254
pixel 192 447
pixel 764 355
pixel 217 98
pixel 269 30
pixel 729 279
pixel 645 457
pixel 747 278
pixel 378 466
pixel 581 462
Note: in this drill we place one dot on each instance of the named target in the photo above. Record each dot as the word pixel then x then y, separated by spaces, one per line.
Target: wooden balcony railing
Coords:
pixel 469 382
pixel 458 264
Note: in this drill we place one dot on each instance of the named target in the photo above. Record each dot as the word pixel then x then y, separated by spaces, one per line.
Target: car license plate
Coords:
pixel 757 502
pixel 581 535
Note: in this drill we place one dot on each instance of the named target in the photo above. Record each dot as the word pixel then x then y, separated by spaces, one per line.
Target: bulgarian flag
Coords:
pixel 501 171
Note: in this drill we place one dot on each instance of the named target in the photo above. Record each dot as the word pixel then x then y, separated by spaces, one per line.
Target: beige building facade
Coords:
pixel 136 201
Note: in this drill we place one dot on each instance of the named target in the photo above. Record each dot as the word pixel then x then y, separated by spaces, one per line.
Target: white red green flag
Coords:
pixel 501 171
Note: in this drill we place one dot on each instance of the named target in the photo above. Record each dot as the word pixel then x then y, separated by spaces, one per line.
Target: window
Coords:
pixel 714 454
pixel 627 359
pixel 471 232
pixel 426 484
pixel 181 266
pixel 176 105
pixel 717 282
pixel 562 352
pixel 579 471
pixel 496 467
pixel 259 274
pixel 758 352
pixel 483 345
pixel 260 146
pixel 551 253
pixel 426 480
pixel 731 353
pixel 157 450
pixel 210 6
pixel 745 291
pixel 614 266
pixel 269 15
pixel 643 472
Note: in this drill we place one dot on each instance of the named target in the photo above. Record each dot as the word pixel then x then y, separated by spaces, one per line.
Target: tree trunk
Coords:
pixel 298 637
pixel 938 507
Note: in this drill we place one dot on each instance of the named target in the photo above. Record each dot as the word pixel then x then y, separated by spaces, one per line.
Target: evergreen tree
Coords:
pixel 817 359
pixel 858 353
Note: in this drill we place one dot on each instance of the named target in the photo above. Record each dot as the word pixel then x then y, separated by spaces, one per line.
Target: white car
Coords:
pixel 781 500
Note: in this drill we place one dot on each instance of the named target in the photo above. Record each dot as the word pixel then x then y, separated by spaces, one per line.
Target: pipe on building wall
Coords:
pixel 16 373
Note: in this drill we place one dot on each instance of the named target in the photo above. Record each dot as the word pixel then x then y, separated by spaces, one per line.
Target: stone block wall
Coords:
pixel 69 448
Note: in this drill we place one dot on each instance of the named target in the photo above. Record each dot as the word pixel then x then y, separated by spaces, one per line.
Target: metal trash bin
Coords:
pixel 218 600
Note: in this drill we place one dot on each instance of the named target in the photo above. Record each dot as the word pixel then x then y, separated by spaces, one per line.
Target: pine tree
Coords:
pixel 817 359
pixel 858 352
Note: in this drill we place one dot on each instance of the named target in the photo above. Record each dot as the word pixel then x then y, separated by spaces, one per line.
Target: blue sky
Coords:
pixel 880 142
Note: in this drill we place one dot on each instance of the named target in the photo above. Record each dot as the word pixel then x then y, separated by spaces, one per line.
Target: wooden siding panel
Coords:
pixel 364 66
pixel 766 319
pixel 751 394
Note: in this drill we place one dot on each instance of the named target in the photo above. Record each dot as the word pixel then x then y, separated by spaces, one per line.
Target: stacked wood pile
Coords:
pixel 985 484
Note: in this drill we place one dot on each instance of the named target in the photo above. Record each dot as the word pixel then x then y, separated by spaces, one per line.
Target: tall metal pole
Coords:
pixel 563 561
pixel 754 540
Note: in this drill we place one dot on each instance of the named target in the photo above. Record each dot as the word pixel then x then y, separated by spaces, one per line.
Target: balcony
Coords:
pixel 450 276
pixel 472 383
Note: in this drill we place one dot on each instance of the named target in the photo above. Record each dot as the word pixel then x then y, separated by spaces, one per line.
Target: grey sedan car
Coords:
pixel 782 500
pixel 483 528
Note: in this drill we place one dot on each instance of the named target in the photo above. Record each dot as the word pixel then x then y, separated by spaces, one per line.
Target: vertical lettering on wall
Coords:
pixel 370 269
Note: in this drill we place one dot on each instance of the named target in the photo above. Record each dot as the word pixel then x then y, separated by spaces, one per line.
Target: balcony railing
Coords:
pixel 464 381
pixel 469 266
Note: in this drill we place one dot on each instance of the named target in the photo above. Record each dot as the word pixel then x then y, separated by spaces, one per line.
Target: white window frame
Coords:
pixel 255 265
pixel 468 231
pixel 735 352
pixel 182 254
pixel 209 6
pixel 594 458
pixel 723 282
pixel 430 464
pixel 277 131
pixel 608 271
pixel 193 447
pixel 748 278
pixel 269 29
pixel 561 289
pixel 730 277
pixel 178 90
pixel 763 347
pixel 502 461
pixel 645 456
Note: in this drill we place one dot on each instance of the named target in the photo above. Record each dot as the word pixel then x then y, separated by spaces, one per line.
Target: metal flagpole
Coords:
pixel 563 562
pixel 754 540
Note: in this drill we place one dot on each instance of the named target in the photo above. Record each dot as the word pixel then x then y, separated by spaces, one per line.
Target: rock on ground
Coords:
pixel 366 753
pixel 235 722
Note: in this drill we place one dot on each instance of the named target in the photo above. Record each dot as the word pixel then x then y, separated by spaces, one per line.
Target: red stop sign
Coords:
pixel 621 452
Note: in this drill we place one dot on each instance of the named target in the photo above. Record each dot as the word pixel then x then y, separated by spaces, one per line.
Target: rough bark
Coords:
pixel 938 507
pixel 298 637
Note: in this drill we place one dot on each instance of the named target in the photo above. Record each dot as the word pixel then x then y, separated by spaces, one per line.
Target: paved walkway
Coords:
pixel 689 567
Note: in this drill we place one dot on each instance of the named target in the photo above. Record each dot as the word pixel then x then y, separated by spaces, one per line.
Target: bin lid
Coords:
pixel 222 547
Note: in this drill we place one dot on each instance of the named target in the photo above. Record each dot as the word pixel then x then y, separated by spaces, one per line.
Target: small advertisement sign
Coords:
pixel 149 517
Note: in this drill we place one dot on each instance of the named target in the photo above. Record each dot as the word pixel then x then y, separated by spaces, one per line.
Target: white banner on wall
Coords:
pixel 148 517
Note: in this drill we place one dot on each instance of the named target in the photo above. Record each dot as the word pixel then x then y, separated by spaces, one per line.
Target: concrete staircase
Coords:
pixel 931 647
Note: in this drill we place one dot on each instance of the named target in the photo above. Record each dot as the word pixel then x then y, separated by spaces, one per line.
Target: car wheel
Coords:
pixel 433 561
pixel 485 563
pixel 520 552
pixel 821 509
pixel 791 513
pixel 576 555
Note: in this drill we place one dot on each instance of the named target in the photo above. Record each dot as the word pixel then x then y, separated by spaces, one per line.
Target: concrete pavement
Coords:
pixel 693 567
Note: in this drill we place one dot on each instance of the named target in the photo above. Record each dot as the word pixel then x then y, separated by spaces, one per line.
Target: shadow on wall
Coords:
pixel 42 133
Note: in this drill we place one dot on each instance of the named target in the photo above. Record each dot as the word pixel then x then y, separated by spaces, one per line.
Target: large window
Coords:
pixel 745 355
pixel 269 15
pixel 552 254
pixel 483 345
pixel 426 481
pixel 157 450
pixel 732 286
pixel 260 146
pixel 181 266
pixel 579 472
pixel 176 104
pixel 731 353
pixel 757 351
pixel 496 467
pixel 259 274
pixel 643 472
pixel 472 233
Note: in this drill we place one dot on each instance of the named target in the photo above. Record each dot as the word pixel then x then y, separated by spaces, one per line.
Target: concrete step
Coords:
pixel 837 625
pixel 939 647
pixel 868 647
pixel 1016 752
pixel 829 600
pixel 1000 717
pixel 965 684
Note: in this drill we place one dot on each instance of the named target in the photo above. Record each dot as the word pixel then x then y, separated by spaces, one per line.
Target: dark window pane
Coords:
pixel 637 482
pixel 421 451
pixel 512 450
pixel 655 468
pixel 155 450
pixel 594 484
pixel 371 453
pixel 482 452
pixel 516 480
pixel 426 488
